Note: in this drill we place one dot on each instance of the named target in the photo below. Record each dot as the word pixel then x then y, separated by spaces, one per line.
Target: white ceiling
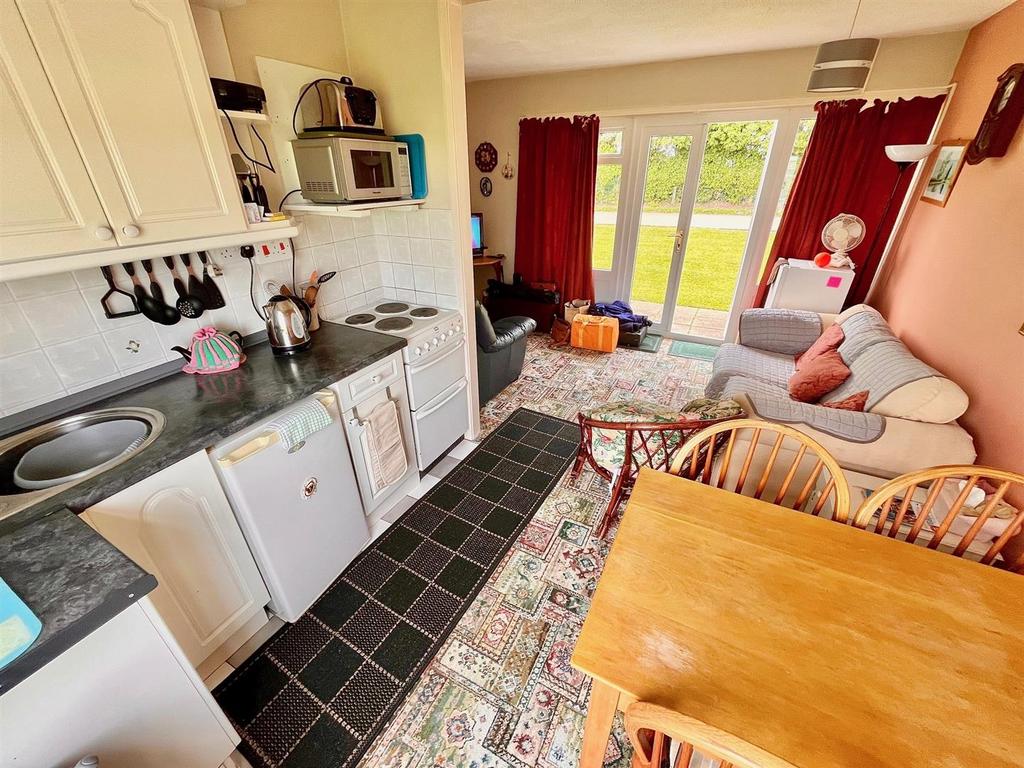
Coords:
pixel 517 37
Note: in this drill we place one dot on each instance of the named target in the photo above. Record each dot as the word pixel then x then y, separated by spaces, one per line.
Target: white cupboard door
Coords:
pixel 47 202
pixel 122 694
pixel 131 79
pixel 179 526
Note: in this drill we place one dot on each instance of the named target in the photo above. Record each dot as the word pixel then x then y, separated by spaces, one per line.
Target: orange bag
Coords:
pixel 594 332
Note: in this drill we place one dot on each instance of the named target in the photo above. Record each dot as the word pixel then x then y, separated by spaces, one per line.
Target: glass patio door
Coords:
pixel 671 159
pixel 693 213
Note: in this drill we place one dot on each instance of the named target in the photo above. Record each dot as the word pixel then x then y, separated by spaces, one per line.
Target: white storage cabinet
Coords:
pixel 110 135
pixel 178 525
pixel 125 694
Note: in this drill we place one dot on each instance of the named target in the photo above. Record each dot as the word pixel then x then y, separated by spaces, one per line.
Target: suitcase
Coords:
pixel 600 334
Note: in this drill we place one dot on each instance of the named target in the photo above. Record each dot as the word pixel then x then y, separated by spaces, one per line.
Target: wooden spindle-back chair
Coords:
pixel 716 446
pixel 652 729
pixel 941 506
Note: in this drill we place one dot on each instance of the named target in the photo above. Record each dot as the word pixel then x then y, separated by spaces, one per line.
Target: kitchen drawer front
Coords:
pixel 370 380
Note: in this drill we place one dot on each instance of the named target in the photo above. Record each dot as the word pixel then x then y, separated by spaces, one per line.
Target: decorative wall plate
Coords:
pixel 486 187
pixel 486 157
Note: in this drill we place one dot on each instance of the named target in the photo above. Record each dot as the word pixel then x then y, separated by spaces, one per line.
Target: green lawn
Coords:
pixel 710 269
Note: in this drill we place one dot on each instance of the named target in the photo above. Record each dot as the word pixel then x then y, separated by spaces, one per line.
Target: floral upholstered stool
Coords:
pixel 618 438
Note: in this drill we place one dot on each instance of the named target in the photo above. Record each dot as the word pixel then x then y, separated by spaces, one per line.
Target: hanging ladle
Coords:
pixel 153 310
pixel 188 304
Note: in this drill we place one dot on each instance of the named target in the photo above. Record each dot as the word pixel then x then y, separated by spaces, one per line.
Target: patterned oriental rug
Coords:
pixel 320 690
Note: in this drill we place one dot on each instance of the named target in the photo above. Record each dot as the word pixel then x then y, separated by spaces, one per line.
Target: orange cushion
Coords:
pixel 830 339
pixel 854 402
pixel 818 377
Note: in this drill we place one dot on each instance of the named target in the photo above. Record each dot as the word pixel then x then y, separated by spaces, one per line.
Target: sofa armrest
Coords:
pixel 507 332
pixel 785 331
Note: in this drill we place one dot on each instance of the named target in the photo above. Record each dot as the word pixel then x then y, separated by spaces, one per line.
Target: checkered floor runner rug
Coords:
pixel 320 690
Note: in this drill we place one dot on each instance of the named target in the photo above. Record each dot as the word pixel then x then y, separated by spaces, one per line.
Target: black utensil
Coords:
pixel 188 306
pixel 195 287
pixel 104 301
pixel 214 298
pixel 155 289
pixel 325 277
pixel 151 309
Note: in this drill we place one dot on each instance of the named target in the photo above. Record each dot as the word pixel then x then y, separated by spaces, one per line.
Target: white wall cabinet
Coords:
pixel 47 201
pixel 178 525
pixel 125 85
pixel 125 694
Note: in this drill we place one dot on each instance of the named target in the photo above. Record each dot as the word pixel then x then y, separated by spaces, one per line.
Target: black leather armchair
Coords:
pixel 500 350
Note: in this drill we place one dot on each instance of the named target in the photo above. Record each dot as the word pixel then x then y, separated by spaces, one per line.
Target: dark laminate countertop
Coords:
pixel 75 581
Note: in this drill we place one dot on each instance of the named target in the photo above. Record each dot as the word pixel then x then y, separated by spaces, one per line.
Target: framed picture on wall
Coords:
pixel 945 170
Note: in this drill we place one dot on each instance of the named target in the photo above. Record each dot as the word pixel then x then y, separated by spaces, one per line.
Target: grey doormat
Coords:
pixel 692 350
pixel 320 690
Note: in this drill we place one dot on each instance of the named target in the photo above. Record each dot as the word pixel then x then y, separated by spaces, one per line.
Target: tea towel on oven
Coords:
pixel 299 423
pixel 384 439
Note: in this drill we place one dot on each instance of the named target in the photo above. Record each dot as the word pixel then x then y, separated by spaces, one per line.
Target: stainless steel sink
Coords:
pixel 53 457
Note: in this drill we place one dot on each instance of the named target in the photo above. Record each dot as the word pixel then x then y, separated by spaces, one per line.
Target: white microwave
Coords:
pixel 338 169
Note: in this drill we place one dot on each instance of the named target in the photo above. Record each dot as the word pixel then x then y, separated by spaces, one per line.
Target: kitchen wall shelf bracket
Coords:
pixel 352 210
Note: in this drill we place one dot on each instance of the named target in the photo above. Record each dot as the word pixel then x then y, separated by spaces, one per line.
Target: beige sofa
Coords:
pixel 910 417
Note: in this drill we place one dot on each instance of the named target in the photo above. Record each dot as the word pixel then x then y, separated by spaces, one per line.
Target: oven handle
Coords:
pixel 436 360
pixel 423 414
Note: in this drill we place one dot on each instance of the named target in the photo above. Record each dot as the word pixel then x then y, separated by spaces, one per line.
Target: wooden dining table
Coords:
pixel 824 645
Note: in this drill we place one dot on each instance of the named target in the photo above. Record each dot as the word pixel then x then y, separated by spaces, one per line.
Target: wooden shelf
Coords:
pixel 350 210
pixel 245 117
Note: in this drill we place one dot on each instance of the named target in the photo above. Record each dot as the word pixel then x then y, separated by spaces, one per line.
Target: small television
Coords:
pixel 476 224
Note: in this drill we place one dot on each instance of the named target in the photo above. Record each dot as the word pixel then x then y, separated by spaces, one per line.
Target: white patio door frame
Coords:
pixel 645 130
pixel 637 133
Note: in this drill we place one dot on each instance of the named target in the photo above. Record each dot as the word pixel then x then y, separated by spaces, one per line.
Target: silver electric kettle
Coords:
pixel 287 324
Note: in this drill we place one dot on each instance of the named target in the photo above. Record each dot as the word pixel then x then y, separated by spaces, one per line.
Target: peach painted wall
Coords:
pixel 954 286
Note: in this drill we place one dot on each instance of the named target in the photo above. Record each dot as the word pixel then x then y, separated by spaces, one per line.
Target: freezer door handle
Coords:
pixel 420 415
pixel 267 439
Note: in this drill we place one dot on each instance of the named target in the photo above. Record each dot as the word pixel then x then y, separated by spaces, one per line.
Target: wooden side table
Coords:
pixel 497 261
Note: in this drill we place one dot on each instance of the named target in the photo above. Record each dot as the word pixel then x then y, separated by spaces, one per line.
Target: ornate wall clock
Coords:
pixel 486 157
pixel 486 187
pixel 1002 117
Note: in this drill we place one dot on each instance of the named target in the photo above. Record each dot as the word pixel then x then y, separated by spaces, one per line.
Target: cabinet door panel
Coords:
pixel 179 526
pixel 47 202
pixel 132 81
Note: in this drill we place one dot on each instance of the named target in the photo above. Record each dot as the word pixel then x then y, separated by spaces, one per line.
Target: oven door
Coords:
pixel 370 170
pixel 430 378
pixel 440 423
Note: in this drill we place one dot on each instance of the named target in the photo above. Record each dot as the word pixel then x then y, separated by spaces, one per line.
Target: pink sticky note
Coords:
pixel 834 282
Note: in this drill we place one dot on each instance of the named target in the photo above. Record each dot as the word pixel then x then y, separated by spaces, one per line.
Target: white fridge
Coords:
pixel 299 509
pixel 800 284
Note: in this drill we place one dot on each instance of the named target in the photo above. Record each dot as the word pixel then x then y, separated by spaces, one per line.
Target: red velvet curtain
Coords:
pixel 555 202
pixel 845 170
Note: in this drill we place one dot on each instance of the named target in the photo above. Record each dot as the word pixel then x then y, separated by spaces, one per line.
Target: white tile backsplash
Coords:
pixel 54 319
pixel 32 287
pixel 28 379
pixel 83 362
pixel 55 338
pixel 421 251
pixel 15 334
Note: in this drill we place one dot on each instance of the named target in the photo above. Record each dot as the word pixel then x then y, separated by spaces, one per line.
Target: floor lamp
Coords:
pixel 904 155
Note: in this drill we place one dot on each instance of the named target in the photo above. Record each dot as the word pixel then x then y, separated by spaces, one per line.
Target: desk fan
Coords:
pixel 840 235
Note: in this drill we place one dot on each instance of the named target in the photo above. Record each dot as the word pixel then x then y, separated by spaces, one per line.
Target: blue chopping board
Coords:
pixel 19 627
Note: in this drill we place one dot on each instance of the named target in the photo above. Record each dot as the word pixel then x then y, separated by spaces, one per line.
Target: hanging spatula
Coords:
pixel 214 298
